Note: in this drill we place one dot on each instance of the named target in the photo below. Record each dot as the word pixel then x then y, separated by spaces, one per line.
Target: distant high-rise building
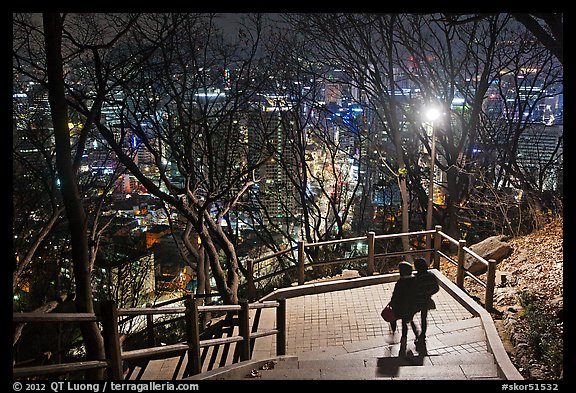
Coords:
pixel 540 155
pixel 270 133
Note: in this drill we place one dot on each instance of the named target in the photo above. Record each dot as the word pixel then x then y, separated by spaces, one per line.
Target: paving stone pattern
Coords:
pixel 340 335
pixel 344 317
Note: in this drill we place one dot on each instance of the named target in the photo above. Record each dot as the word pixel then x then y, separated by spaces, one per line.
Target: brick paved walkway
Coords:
pixel 340 321
pixel 344 317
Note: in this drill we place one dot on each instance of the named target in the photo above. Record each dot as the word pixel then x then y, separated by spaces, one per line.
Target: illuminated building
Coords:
pixel 270 133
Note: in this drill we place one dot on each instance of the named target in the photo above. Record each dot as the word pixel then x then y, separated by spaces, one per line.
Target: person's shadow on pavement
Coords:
pixel 389 366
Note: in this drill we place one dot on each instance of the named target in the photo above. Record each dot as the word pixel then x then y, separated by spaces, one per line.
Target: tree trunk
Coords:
pixel 394 124
pixel 45 308
pixel 69 187
pixel 450 224
pixel 227 283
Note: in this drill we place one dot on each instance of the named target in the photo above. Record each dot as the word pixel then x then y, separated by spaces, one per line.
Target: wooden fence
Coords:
pixel 115 356
pixel 303 262
pixel 245 339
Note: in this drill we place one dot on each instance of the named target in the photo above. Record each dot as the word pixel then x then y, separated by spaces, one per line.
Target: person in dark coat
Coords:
pixel 426 286
pixel 403 302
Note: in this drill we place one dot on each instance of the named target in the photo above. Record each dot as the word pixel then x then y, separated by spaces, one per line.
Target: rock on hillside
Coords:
pixel 535 266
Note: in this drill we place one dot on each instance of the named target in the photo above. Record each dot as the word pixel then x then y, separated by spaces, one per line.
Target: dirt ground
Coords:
pixel 535 266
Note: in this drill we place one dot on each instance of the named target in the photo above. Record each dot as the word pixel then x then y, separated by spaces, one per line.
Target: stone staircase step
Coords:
pixel 373 360
pixel 433 360
pixel 153 370
pixel 390 370
pixel 135 373
pixel 331 366
pixel 471 358
pixel 321 363
pixel 334 365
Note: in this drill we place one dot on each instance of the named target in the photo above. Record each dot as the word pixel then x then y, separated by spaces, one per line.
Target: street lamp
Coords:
pixel 431 114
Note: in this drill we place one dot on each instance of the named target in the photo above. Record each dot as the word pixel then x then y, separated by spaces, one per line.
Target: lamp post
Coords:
pixel 431 114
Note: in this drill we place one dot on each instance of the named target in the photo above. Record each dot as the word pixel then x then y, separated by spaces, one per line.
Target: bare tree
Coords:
pixel 521 129
pixel 51 51
pixel 448 62
pixel 548 28
pixel 365 45
pixel 402 62
pixel 194 128
pixel 318 150
pixel 37 206
pixel 53 27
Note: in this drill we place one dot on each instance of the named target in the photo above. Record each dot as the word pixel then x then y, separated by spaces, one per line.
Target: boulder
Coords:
pixel 494 247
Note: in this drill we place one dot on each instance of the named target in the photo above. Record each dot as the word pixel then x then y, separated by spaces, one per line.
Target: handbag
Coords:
pixel 388 313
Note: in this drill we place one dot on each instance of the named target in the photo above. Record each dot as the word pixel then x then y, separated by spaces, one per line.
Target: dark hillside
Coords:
pixel 529 301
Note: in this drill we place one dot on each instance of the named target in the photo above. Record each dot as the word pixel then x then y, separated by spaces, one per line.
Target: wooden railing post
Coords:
pixel 490 283
pixel 150 328
pixel 370 267
pixel 281 327
pixel 250 281
pixel 301 254
pixel 461 258
pixel 244 327
pixel 112 340
pixel 437 247
pixel 193 335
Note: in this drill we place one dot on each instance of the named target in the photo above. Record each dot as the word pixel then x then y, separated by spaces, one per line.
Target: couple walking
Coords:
pixel 412 294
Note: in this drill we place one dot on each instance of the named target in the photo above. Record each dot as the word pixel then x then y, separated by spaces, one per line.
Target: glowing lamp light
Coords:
pixel 432 114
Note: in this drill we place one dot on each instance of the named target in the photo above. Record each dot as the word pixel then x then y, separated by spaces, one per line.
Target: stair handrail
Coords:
pixel 115 355
pixel 109 315
pixel 434 256
pixel 462 272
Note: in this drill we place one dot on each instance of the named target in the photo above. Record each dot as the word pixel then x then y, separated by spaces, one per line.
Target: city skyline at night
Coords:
pixel 172 150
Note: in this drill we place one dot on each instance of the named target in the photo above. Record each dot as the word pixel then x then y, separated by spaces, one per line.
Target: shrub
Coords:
pixel 545 333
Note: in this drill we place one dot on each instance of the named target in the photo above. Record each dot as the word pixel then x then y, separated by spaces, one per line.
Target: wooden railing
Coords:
pixel 192 346
pixel 303 262
pixel 55 369
pixel 461 271
pixel 369 259
pixel 245 339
